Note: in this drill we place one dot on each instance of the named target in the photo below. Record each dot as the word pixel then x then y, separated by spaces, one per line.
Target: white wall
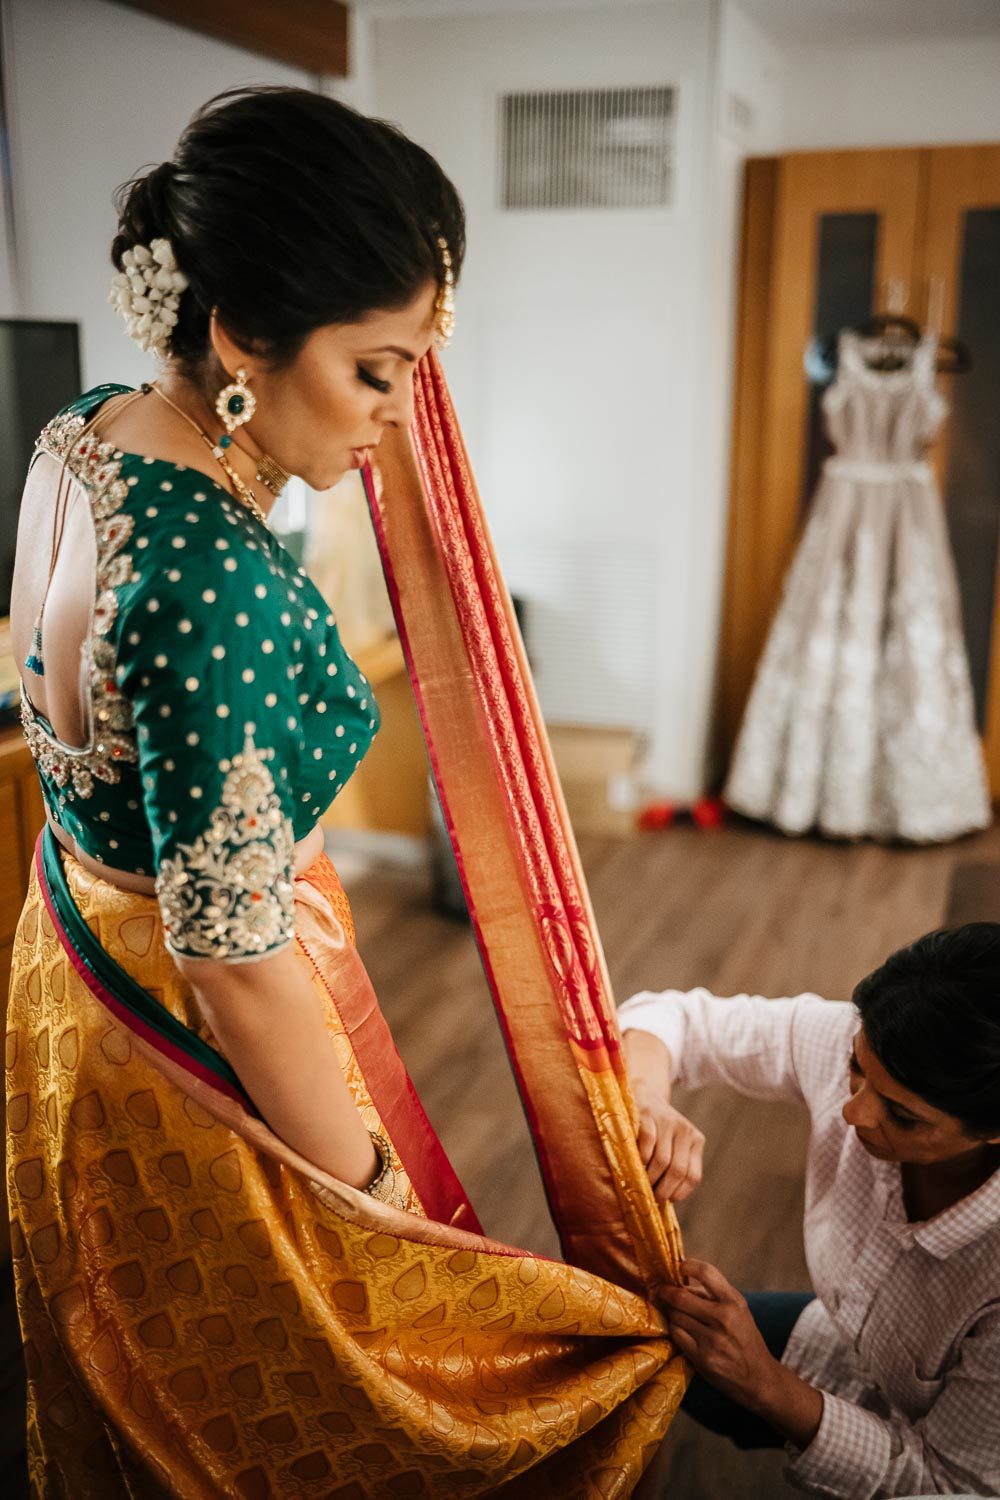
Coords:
pixel 928 92
pixel 592 361
pixel 750 72
pixel 578 357
pixel 747 119
pixel 8 289
pixel 97 91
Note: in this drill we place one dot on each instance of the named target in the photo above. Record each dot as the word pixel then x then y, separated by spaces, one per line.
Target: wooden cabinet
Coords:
pixel 22 815
pixel 829 238
pixel 389 792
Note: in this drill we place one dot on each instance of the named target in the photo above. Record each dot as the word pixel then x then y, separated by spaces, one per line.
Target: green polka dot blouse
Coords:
pixel 224 714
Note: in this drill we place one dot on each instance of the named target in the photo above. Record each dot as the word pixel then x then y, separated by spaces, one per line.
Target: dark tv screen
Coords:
pixel 39 373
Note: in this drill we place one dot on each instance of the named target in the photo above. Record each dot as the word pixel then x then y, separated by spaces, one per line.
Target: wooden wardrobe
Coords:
pixel 829 238
pixel 22 815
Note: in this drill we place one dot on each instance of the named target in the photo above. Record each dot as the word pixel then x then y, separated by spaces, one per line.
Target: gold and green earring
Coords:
pixel 235 405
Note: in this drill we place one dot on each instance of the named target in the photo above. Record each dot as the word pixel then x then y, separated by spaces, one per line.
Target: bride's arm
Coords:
pixel 268 1024
pixel 216 682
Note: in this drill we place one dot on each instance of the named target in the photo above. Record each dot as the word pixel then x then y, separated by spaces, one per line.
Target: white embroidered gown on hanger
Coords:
pixel 860 721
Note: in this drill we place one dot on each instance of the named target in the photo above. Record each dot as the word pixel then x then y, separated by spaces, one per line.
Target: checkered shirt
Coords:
pixel 903 1339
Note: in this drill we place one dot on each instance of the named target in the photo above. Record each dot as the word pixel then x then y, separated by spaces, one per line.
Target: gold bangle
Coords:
pixel 383 1185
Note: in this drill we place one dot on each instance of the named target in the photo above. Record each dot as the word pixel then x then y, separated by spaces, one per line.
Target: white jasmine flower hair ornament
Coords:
pixel 147 293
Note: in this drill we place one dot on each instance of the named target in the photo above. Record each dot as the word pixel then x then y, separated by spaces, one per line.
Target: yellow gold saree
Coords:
pixel 207 1314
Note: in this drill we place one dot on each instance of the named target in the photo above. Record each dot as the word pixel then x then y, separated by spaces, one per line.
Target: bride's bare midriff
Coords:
pixel 307 851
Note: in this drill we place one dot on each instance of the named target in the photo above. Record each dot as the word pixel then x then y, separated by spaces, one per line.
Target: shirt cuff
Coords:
pixel 849 1455
pixel 662 1016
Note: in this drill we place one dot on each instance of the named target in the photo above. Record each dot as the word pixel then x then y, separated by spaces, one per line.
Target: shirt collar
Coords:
pixel 966 1221
pixel 948 1232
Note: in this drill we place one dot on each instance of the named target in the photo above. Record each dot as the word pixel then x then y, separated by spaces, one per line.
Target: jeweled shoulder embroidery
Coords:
pixel 229 895
pixel 97 467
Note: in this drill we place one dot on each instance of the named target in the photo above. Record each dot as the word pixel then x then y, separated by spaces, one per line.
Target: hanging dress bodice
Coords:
pixel 881 419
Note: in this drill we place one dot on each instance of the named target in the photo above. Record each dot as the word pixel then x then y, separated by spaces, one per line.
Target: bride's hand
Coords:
pixel 672 1149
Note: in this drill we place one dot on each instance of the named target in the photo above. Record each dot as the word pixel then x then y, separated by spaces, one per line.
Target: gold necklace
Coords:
pixel 243 490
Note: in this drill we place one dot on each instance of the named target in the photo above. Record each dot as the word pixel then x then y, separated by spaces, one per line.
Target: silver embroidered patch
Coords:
pixel 229 894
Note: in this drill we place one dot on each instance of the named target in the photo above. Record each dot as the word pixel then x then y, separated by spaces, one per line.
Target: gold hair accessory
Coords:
pixel 444 307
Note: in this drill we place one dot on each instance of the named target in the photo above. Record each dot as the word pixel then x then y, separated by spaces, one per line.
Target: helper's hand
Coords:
pixel 671 1148
pixel 714 1329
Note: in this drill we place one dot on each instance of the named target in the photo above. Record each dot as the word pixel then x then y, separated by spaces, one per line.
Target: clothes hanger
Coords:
pixel 900 336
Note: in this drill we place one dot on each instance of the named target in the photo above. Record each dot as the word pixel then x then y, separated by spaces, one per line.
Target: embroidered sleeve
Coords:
pixel 229 893
pixel 218 730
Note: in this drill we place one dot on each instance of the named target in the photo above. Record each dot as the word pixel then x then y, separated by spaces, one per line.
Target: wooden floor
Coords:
pixel 738 909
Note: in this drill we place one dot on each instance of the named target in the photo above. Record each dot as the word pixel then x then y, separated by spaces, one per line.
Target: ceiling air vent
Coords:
pixel 588 148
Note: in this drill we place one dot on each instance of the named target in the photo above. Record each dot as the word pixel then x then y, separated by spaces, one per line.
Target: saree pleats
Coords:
pixel 205 1314
pixel 515 850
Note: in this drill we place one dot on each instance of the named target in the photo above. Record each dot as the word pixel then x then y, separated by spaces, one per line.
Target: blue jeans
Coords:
pixel 776 1314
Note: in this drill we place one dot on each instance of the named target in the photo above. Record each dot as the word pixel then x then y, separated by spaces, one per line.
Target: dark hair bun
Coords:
pixel 287 211
pixel 143 211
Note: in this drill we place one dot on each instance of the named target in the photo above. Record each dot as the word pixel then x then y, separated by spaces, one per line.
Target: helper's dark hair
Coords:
pixel 286 211
pixel 931 1015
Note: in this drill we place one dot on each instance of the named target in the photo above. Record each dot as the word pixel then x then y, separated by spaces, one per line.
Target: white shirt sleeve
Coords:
pixel 858 1455
pixel 766 1049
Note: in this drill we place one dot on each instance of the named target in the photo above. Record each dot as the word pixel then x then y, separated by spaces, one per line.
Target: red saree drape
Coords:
pixel 515 849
